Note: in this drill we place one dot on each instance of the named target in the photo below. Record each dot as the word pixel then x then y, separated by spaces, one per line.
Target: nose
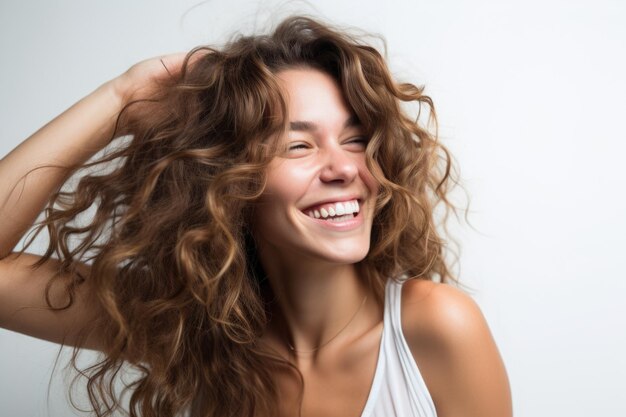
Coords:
pixel 338 166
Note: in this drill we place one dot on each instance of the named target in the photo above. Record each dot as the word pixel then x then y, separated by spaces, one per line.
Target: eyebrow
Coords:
pixel 306 126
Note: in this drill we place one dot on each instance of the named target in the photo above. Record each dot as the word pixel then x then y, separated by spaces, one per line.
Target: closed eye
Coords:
pixel 297 146
pixel 359 140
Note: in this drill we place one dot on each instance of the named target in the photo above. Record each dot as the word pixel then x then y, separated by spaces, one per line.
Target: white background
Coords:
pixel 531 100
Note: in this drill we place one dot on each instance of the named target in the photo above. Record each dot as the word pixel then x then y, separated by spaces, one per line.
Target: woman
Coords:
pixel 264 239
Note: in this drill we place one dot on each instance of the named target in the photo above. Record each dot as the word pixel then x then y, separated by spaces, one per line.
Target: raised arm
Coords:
pixel 67 141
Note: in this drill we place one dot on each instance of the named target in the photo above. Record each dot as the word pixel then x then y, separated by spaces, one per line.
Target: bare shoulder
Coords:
pixel 439 313
pixel 454 350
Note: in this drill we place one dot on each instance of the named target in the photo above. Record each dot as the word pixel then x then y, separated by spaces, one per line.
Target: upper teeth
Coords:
pixel 334 209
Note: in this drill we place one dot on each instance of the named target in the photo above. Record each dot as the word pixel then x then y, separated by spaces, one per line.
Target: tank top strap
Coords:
pixel 421 402
pixel 393 308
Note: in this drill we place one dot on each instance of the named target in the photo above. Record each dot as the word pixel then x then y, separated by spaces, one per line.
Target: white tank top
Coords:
pixel 398 389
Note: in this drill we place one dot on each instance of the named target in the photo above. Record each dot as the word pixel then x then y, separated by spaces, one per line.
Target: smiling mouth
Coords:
pixel 335 212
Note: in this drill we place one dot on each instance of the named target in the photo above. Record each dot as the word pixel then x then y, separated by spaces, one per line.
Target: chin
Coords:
pixel 344 257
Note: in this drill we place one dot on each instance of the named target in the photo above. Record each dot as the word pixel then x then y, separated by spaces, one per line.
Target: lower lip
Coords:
pixel 339 226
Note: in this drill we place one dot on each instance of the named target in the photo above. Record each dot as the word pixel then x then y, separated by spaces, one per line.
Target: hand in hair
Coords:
pixel 145 82
pixel 141 80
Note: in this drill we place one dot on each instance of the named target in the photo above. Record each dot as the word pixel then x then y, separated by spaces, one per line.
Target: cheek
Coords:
pixel 287 181
pixel 282 191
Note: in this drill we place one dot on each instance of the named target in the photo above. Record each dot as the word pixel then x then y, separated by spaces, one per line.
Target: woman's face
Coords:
pixel 320 196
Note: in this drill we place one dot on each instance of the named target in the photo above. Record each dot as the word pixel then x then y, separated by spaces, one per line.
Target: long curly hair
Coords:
pixel 168 240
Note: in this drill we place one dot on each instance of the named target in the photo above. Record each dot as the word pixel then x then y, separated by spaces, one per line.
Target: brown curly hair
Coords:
pixel 172 263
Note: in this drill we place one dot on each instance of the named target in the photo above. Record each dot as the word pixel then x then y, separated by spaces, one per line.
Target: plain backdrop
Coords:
pixel 531 101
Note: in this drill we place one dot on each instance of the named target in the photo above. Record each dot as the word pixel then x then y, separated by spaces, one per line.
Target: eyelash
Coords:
pixel 358 139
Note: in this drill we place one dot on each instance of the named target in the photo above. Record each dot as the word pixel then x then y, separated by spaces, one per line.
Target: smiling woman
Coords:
pixel 264 243
pixel 323 169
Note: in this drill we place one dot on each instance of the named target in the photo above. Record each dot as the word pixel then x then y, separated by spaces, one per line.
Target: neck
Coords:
pixel 314 302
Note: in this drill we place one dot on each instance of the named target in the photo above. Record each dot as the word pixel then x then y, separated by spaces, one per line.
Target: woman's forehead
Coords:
pixel 314 101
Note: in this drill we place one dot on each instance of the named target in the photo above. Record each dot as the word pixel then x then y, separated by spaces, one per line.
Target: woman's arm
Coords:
pixel 455 351
pixel 70 139
pixel 67 141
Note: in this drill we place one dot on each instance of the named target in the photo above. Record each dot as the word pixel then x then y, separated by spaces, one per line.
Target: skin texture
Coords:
pixel 455 351
pixel 325 161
